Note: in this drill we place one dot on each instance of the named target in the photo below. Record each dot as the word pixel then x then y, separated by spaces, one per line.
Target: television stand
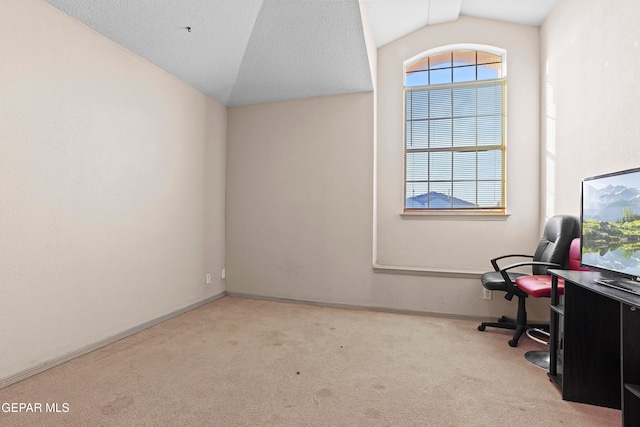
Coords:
pixel 594 345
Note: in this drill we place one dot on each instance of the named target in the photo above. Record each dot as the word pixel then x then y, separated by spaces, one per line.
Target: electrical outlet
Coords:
pixel 486 294
pixel 208 279
pixel 223 273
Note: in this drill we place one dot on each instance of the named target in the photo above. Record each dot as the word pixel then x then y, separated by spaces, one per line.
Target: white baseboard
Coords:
pixel 14 378
pixel 359 307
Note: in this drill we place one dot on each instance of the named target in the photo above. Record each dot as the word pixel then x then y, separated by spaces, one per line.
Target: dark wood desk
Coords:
pixel 595 344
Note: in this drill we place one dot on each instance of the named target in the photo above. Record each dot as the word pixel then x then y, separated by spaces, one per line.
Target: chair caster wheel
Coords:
pixel 513 343
pixel 481 328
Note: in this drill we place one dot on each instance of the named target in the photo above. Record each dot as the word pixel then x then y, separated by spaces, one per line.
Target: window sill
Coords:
pixel 456 216
pixel 426 271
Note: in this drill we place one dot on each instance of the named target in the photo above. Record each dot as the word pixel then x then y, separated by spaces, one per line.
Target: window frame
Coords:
pixel 471 83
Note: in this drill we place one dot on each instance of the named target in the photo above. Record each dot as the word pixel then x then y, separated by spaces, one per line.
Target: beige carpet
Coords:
pixel 243 362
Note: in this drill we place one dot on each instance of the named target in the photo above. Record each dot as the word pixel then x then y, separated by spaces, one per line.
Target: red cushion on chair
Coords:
pixel 538 286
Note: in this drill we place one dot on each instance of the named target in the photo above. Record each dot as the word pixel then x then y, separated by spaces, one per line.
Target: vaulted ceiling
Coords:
pixel 250 51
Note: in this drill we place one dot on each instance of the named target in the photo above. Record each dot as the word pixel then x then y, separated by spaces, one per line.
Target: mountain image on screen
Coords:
pixel 611 227
pixel 435 200
pixel 608 203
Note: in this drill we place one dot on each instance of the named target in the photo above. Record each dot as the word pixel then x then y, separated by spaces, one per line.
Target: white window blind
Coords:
pixel 454 137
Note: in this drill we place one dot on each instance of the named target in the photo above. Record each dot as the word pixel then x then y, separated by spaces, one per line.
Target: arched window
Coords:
pixel 455 130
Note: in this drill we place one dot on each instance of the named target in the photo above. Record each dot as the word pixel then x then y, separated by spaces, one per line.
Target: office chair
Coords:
pixel 552 252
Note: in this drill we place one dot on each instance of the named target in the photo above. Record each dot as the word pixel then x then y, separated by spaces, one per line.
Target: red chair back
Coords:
pixel 574 256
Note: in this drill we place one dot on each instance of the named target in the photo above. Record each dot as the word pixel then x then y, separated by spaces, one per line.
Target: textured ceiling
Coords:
pixel 303 48
pixel 392 19
pixel 248 51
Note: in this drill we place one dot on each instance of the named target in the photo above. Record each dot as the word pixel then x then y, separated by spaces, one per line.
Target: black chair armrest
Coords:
pixel 531 263
pixel 494 261
pixel 506 277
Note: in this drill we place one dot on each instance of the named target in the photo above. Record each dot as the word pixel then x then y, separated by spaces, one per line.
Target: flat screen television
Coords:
pixel 610 226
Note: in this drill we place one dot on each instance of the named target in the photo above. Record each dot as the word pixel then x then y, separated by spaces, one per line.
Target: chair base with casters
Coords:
pixel 519 325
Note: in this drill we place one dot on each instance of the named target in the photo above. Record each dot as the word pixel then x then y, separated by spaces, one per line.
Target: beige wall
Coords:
pixel 591 88
pixel 112 173
pixel 299 191
pixel 455 244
